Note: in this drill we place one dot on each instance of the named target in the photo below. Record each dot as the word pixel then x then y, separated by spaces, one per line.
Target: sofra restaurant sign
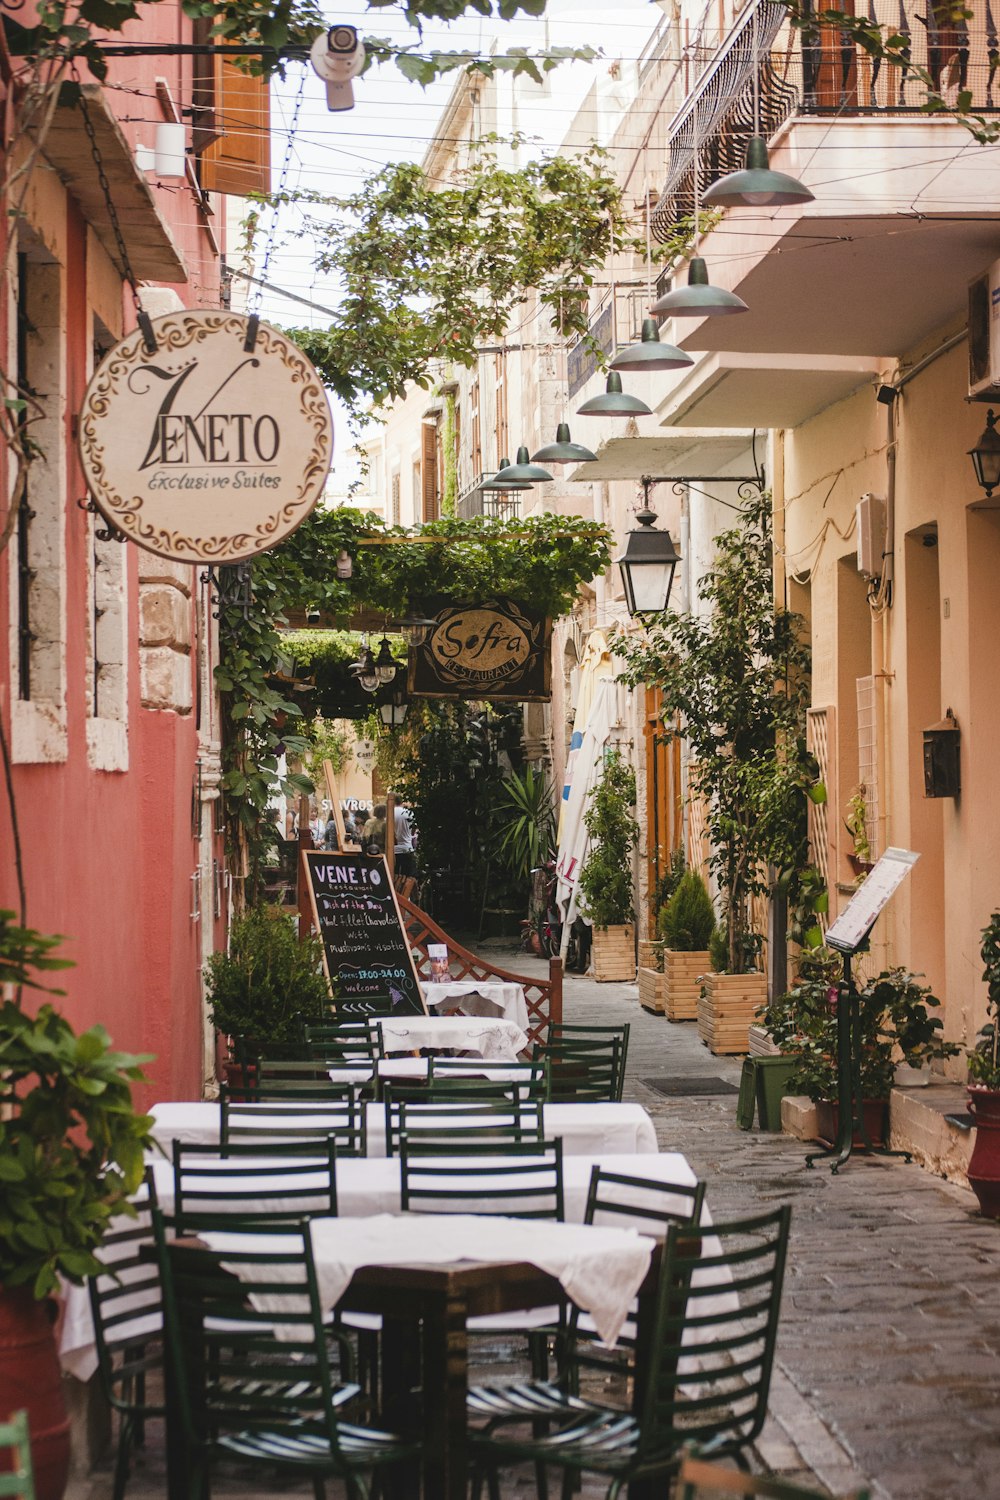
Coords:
pixel 493 650
pixel 211 448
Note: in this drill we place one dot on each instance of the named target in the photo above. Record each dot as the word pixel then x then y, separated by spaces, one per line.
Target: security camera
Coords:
pixel 338 56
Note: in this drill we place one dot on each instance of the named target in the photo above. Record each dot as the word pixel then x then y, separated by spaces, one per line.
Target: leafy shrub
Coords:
pixel 984 1062
pixel 718 949
pixel 687 921
pixel 267 980
pixel 606 875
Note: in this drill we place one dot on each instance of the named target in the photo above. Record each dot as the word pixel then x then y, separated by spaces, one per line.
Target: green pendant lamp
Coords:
pixel 614 402
pixel 523 469
pixel 501 482
pixel 757 185
pixel 562 451
pixel 650 354
pixel 699 299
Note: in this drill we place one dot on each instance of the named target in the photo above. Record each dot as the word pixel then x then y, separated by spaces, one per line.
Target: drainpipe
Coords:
pixel 685 605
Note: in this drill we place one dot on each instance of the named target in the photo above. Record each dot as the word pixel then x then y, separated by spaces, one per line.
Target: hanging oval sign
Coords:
pixel 214 447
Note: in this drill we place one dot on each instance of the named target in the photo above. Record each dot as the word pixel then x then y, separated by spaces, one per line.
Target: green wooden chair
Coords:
pixel 528 1079
pixel 700 1480
pixel 582 1069
pixel 456 1117
pixel 570 1031
pixel 251 1184
pixel 127 1311
pixel 299 1121
pixel 702 1378
pixel 15 1440
pixel 612 1196
pixel 523 1178
pixel 242 1388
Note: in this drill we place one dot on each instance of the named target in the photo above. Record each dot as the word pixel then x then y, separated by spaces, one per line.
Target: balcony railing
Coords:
pixel 504 505
pixel 818 72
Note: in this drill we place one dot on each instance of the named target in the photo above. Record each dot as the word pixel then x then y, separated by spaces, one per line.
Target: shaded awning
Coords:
pixel 152 250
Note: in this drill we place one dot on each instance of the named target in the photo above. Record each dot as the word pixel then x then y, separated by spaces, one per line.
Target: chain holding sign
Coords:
pixel 213 446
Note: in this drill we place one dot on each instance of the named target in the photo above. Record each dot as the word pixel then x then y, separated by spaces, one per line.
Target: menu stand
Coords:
pixel 848 935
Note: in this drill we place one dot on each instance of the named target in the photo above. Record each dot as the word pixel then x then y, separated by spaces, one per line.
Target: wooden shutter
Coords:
pixel 502 432
pixel 429 471
pixel 476 443
pixel 394 492
pixel 238 161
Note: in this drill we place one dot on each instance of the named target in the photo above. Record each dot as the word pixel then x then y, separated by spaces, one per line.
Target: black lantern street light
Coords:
pixel 648 565
pixel 393 711
pixel 986 455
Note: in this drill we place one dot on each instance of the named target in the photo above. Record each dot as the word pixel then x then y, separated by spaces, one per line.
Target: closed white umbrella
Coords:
pixel 596 666
pixel 573 836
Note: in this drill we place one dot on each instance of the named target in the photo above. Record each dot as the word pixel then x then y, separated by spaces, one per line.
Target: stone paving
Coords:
pixel 888 1361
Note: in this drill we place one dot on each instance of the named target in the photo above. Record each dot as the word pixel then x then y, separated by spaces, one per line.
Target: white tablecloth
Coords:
pixel 600 1269
pixel 491 1037
pixel 480 997
pixel 584 1129
pixel 367 1188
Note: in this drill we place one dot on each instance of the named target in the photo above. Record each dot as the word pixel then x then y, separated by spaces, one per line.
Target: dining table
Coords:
pixel 478 997
pixel 493 1037
pixel 586 1129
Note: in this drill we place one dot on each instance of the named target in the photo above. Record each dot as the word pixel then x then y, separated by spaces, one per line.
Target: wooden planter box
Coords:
pixel 651 983
pixel 614 954
pixel 649 952
pixel 728 1009
pixel 682 974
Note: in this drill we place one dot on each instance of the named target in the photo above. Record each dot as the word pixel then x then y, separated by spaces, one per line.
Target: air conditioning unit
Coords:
pixel 984 334
pixel 870 531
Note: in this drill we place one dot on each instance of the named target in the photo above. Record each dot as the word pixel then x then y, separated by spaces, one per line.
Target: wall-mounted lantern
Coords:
pixel 942 766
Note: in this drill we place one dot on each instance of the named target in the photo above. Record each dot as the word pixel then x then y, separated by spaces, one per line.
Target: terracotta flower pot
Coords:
pixel 30 1378
pixel 828 1121
pixel 984 1164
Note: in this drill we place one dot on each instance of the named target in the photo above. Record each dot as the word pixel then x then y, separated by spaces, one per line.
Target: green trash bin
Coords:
pixel 773 1077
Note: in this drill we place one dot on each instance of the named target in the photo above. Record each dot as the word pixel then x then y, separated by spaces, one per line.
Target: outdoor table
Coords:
pixel 584 1129
pixel 480 997
pixel 426 1285
pixel 366 1188
pixel 494 1038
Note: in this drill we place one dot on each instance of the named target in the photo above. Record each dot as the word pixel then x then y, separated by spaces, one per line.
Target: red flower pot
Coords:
pixel 984 1164
pixel 30 1378
pixel 828 1122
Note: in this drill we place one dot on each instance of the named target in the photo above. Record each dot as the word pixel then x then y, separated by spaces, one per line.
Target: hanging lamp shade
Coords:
pixel 699 299
pixel 562 451
pixel 385 662
pixel 414 627
pixel 647 566
pixel 614 402
pixel 756 185
pixel 986 455
pixel 523 469
pixel 499 481
pixel 650 354
pixel 365 670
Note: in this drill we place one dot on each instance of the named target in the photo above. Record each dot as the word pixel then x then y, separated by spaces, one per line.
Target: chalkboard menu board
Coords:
pixel 365 949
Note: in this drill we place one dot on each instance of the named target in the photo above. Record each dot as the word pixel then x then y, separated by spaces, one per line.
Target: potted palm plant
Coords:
pixel 71 1156
pixel 605 882
pixel 984 1083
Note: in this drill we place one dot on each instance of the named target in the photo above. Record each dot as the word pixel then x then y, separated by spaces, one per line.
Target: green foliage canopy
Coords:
pixel 605 882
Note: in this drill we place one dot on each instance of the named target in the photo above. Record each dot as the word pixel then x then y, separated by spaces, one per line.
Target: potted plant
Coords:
pixel 686 925
pixel 895 1020
pixel 651 949
pixel 984 1083
pixel 264 986
pixel 605 882
pixel 71 1156
pixel 860 857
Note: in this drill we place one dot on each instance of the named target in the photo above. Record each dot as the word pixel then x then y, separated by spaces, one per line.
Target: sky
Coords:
pixel 395 120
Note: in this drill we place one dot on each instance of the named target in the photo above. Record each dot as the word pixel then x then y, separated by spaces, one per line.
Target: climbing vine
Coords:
pixel 539 562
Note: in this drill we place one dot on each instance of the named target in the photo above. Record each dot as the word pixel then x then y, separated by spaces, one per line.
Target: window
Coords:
pixel 37 560
pixel 475 432
pixel 429 461
pixel 502 409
